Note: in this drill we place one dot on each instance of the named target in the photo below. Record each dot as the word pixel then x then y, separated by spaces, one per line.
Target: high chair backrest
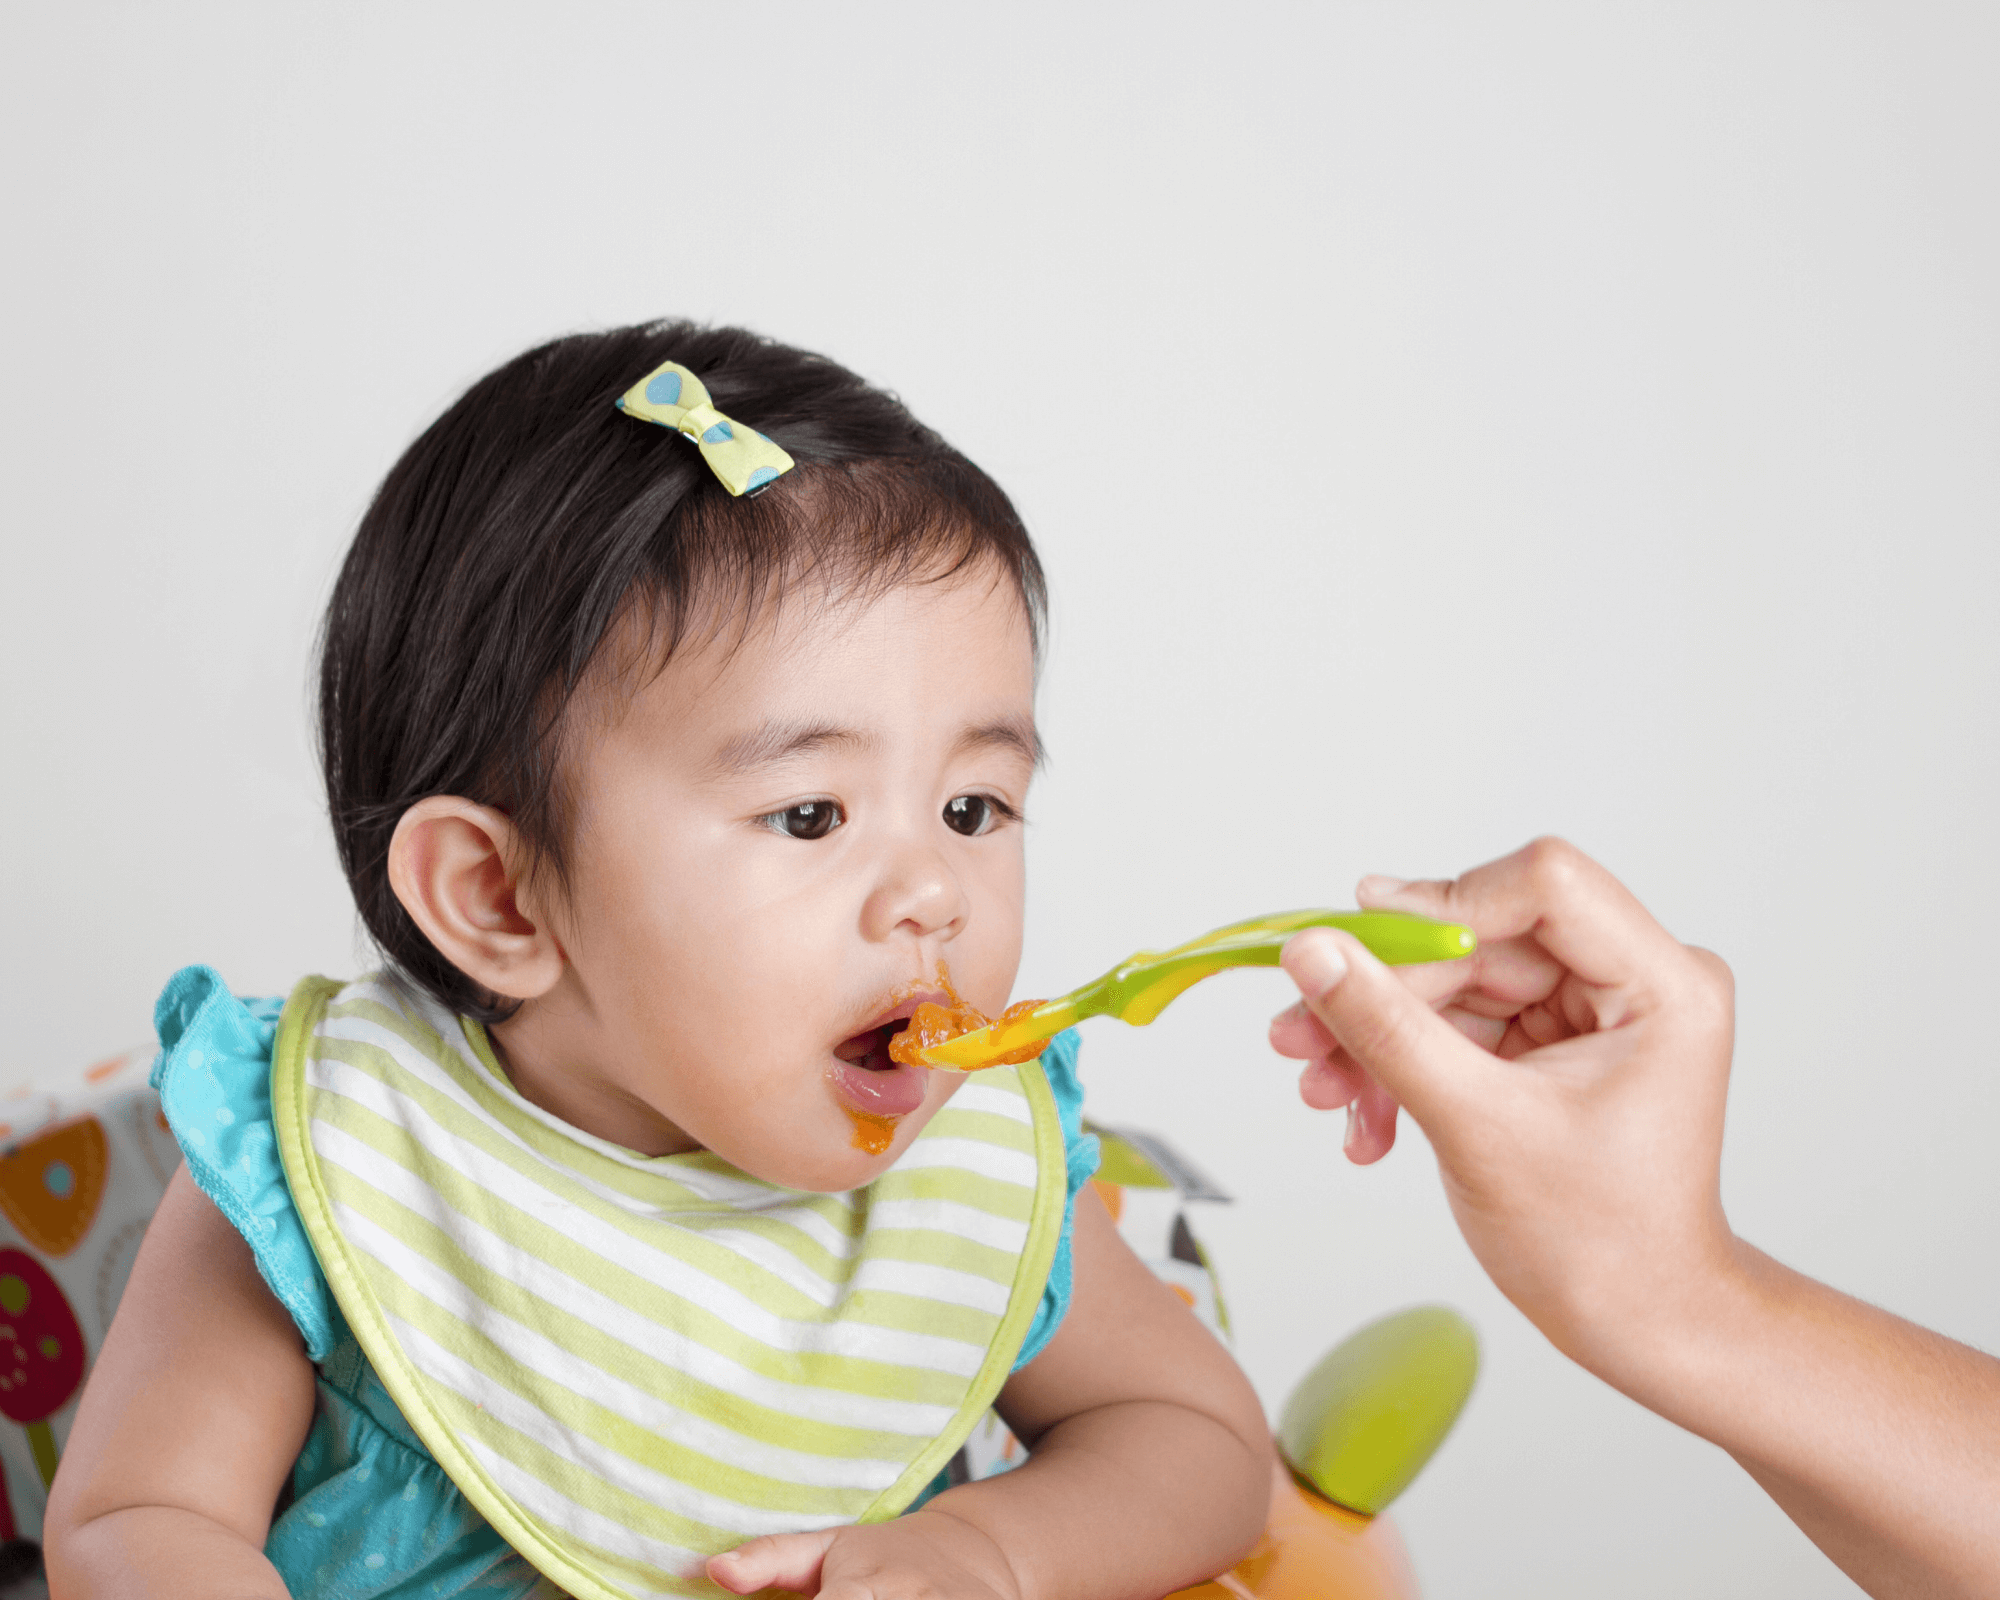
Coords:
pixel 84 1159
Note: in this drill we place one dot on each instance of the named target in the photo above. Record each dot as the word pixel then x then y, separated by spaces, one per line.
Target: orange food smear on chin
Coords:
pixel 872 1132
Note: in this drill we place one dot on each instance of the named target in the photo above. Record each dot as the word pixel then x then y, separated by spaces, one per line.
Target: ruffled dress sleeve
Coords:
pixel 1081 1154
pixel 213 1075
pixel 372 1516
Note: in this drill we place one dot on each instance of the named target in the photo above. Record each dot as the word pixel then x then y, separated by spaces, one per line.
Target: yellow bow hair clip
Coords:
pixel 673 397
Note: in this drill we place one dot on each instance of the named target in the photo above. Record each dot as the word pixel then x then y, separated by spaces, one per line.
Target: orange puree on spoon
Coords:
pixel 932 1024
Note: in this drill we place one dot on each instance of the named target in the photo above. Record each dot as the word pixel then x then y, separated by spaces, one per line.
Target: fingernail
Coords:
pixel 1353 1125
pixel 1376 886
pixel 1314 961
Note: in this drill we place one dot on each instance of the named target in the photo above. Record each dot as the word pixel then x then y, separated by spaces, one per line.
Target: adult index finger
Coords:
pixel 1551 891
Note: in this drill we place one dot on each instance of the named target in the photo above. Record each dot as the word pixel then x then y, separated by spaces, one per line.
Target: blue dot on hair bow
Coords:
pixel 665 389
pixel 760 477
pixel 719 434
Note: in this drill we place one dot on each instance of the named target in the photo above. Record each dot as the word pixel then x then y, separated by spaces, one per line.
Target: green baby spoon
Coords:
pixel 1139 988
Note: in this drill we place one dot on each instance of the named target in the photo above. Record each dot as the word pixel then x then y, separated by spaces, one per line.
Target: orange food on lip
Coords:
pixel 932 1024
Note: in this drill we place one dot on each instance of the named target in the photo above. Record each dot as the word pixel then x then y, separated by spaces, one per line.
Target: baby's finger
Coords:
pixel 777 1561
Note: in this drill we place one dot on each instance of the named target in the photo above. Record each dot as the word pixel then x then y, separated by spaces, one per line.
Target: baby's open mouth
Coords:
pixel 871 1083
pixel 870 1048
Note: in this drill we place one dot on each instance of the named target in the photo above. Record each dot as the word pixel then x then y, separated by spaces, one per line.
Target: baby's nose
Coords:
pixel 919 895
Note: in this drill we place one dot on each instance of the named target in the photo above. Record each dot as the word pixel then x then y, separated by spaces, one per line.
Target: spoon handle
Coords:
pixel 1139 988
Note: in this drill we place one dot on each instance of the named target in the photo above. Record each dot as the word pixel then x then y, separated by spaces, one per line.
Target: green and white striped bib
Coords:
pixel 629 1363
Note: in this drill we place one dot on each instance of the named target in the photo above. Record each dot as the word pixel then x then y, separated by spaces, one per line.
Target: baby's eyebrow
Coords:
pixel 781 741
pixel 1010 733
pixel 774 742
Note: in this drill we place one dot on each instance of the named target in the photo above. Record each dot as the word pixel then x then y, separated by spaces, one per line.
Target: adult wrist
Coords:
pixel 1662 1334
pixel 1685 1357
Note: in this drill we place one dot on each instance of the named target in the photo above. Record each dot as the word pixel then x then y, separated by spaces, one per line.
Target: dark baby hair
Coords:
pixel 533 515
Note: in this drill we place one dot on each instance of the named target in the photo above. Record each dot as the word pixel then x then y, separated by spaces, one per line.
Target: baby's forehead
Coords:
pixel 841 671
pixel 709 622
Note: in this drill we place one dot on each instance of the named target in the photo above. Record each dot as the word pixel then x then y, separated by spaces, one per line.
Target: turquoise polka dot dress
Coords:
pixel 369 1514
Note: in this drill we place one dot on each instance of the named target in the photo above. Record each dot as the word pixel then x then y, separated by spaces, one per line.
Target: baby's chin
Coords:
pixel 832 1169
pixel 829 1154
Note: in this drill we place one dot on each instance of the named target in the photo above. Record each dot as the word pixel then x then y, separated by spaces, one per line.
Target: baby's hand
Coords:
pixel 929 1553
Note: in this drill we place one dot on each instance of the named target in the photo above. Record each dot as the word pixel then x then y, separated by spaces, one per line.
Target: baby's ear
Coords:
pixel 456 867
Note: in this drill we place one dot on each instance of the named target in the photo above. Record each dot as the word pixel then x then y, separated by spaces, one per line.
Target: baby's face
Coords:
pixel 777 848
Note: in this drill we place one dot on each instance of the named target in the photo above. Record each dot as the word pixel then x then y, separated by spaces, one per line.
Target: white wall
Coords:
pixel 1442 424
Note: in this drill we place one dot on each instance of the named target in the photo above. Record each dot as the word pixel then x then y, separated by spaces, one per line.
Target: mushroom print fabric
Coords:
pixel 84 1159
pixel 41 1353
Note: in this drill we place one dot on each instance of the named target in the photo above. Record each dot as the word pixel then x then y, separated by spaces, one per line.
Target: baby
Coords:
pixel 677 750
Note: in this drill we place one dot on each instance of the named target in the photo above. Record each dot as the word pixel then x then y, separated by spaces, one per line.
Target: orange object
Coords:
pixel 932 1024
pixel 872 1132
pixel 1313 1549
pixel 51 1186
pixel 111 1066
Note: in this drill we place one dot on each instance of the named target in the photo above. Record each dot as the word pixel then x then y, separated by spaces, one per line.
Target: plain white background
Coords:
pixel 1442 425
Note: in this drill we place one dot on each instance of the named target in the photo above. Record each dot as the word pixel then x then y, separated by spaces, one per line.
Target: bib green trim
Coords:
pixel 562 1558
pixel 1044 1233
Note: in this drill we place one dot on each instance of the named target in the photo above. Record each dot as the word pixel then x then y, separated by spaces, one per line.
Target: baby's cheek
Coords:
pixel 755 1062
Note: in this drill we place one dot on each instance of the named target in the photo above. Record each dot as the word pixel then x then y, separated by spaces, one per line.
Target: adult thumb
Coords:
pixel 1431 1069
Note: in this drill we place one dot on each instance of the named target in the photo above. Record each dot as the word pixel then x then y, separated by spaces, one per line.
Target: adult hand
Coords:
pixel 1571 1080
pixel 1571 1076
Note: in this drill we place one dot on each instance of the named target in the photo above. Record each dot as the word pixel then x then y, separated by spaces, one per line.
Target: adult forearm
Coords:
pixel 1879 1438
pixel 157 1553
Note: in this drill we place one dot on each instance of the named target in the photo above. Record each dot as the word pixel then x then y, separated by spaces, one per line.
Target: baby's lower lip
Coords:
pixel 894 1092
pixel 865 1078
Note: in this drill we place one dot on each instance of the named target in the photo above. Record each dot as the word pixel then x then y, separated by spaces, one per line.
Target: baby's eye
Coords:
pixel 809 819
pixel 974 814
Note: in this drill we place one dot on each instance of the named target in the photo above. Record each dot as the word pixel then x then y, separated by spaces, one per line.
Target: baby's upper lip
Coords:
pixel 901 1011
